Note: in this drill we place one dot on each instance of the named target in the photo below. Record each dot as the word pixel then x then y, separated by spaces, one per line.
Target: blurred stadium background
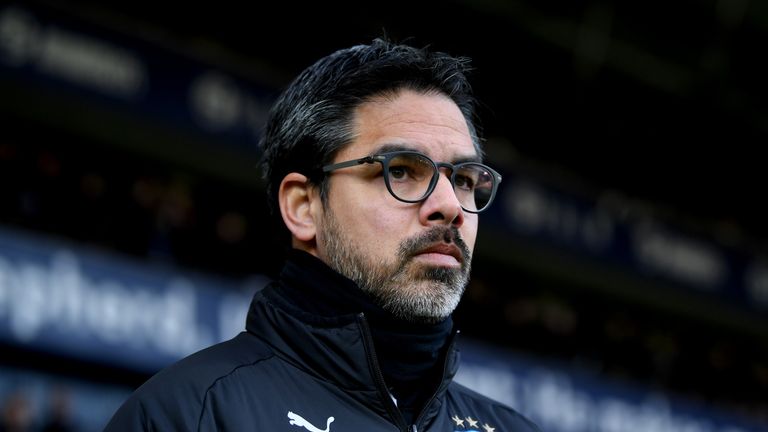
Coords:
pixel 620 282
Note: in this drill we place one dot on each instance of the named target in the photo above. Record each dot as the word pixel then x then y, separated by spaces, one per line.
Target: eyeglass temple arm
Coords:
pixel 367 159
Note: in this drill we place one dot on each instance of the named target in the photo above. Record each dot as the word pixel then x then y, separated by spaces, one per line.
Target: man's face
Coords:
pixel 413 258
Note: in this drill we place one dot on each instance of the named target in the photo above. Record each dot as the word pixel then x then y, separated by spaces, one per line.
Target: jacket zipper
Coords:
pixel 378 377
pixel 423 412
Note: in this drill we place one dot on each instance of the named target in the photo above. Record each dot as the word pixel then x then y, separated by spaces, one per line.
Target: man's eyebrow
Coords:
pixel 392 147
pixel 462 159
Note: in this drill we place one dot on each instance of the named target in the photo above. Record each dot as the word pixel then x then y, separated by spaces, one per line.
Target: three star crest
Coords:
pixel 471 423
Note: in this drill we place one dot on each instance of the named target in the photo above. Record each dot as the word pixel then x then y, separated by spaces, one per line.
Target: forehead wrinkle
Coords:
pixel 396 117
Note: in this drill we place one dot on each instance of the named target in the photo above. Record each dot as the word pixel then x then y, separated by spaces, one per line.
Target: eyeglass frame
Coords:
pixel 385 158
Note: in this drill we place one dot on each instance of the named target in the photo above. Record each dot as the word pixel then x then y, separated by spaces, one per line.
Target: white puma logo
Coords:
pixel 298 420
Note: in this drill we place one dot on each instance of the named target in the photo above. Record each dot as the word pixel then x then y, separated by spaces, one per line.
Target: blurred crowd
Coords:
pixel 124 203
pixel 20 412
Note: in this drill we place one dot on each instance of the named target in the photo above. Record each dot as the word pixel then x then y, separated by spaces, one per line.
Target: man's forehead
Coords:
pixel 431 124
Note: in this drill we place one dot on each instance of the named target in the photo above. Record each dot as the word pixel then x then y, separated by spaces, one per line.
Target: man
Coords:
pixel 372 163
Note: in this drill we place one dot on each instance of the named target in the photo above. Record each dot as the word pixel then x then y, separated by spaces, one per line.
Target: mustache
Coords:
pixel 437 234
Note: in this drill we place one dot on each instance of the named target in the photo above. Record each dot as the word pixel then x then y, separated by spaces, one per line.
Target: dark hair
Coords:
pixel 312 118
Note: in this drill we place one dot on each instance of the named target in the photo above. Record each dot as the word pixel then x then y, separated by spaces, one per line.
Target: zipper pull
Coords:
pixel 413 428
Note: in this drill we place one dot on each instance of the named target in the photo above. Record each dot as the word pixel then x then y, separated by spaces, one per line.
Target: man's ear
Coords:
pixel 298 198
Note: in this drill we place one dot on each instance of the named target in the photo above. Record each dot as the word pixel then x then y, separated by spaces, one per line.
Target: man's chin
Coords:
pixel 435 273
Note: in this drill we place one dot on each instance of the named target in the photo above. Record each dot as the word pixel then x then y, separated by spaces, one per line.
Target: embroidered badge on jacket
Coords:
pixel 469 424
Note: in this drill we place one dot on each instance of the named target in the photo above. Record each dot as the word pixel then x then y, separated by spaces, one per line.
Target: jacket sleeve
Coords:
pixel 164 403
pixel 131 416
pixel 160 410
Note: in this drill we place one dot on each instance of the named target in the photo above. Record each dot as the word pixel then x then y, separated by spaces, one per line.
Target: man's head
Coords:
pixel 412 254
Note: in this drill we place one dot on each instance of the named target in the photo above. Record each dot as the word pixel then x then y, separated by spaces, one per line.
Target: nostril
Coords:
pixel 436 216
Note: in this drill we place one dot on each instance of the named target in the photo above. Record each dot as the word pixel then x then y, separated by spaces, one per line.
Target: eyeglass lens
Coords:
pixel 410 176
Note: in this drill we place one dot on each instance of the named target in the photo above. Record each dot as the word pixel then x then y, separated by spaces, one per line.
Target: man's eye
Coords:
pixel 464 182
pixel 397 172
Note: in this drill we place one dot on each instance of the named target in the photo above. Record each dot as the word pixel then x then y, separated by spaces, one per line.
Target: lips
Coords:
pixel 449 249
pixel 439 246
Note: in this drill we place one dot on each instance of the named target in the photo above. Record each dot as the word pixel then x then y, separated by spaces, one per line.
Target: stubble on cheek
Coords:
pixel 408 289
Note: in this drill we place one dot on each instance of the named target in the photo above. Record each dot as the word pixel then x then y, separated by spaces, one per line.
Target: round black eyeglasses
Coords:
pixel 411 177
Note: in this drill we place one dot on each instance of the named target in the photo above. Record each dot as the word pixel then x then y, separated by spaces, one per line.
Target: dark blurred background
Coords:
pixel 620 281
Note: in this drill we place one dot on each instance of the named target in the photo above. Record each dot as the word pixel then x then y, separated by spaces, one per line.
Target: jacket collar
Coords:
pixel 323 323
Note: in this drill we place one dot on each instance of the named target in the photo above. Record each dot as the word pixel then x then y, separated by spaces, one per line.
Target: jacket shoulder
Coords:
pixel 173 399
pixel 467 402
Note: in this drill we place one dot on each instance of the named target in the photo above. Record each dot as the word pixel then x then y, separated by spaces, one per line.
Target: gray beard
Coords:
pixel 408 290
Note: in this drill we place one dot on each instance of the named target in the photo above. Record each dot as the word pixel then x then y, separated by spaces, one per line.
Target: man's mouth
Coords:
pixel 442 254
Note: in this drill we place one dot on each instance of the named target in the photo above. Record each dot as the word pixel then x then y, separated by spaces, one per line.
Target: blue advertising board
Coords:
pixel 561 398
pixel 96 306
pixel 612 233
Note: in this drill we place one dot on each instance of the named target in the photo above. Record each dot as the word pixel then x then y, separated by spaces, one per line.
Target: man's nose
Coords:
pixel 442 206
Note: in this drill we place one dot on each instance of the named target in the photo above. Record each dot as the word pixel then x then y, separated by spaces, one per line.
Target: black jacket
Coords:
pixel 292 370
